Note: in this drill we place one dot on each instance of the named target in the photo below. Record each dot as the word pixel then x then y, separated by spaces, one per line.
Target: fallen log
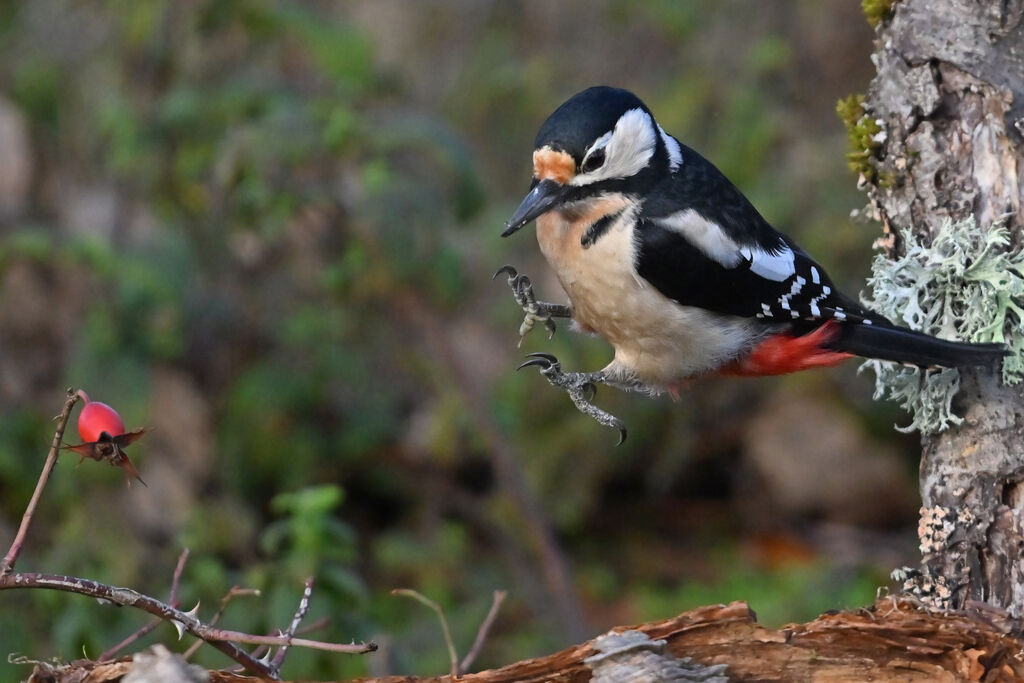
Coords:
pixel 896 639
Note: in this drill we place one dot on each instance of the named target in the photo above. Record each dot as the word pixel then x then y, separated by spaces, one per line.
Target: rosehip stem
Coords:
pixel 7 566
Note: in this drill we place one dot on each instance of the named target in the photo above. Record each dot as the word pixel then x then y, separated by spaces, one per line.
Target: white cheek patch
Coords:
pixel 706 235
pixel 629 148
pixel 778 267
pixel 675 153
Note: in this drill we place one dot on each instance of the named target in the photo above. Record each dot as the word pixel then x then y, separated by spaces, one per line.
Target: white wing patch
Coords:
pixel 778 267
pixel 627 148
pixel 675 153
pixel 711 239
pixel 706 235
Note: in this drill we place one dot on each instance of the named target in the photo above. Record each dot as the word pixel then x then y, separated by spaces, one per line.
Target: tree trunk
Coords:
pixel 949 95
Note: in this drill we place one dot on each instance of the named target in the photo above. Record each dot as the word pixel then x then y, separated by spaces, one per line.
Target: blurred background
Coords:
pixel 266 230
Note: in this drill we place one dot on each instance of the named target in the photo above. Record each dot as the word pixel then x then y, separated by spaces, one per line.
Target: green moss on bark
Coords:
pixel 877 11
pixel 864 136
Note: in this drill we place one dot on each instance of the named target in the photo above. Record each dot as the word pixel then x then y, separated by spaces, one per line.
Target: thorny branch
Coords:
pixel 183 621
pixel 236 591
pixel 126 597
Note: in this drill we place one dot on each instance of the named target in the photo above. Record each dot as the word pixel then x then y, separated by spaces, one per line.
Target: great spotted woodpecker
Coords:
pixel 666 259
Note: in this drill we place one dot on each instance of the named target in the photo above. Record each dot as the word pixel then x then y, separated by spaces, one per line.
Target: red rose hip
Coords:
pixel 102 430
pixel 97 418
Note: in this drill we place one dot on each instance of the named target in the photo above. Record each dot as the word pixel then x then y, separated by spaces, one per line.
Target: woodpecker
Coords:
pixel 662 256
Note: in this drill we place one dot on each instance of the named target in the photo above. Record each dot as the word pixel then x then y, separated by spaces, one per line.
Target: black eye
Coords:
pixel 594 161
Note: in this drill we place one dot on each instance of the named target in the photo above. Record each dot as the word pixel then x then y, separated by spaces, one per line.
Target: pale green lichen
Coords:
pixel 966 285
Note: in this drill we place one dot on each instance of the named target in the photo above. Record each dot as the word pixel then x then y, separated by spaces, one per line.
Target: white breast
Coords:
pixel 656 340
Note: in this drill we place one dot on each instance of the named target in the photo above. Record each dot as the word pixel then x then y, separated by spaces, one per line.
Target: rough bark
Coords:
pixel 894 640
pixel 949 94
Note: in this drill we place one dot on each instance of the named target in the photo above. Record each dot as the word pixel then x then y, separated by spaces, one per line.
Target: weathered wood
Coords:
pixel 949 94
pixel 894 640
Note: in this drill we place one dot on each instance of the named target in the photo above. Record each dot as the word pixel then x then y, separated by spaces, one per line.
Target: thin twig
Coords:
pixel 214 635
pixel 172 600
pixel 126 597
pixel 481 634
pixel 179 569
pixel 7 565
pixel 236 591
pixel 419 597
pixel 300 614
pixel 320 623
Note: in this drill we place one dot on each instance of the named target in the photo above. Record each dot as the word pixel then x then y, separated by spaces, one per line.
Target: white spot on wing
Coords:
pixel 778 267
pixel 798 284
pixel 815 311
pixel 815 276
pixel 630 145
pixel 706 235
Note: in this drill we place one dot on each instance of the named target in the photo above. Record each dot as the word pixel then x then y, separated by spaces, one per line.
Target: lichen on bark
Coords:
pixel 966 284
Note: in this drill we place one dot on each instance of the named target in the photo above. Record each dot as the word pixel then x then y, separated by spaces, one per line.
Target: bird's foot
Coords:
pixel 536 311
pixel 581 387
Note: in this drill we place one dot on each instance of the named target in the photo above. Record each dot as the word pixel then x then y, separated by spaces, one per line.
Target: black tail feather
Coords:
pixel 901 345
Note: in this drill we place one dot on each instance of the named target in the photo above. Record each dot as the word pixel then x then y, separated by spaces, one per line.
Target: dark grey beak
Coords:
pixel 545 195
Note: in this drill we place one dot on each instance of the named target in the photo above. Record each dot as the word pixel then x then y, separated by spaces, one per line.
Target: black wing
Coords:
pixel 702 243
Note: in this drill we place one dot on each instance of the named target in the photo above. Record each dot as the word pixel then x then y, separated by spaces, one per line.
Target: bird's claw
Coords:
pixel 545 361
pixel 535 311
pixel 507 270
pixel 581 387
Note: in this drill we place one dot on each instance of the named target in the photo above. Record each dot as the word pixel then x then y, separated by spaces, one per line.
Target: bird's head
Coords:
pixel 600 140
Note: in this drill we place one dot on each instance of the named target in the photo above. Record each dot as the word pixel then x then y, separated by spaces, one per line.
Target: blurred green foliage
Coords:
pixel 307 198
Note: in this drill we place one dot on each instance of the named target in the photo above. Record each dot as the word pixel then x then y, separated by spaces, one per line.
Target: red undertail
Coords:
pixel 781 354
